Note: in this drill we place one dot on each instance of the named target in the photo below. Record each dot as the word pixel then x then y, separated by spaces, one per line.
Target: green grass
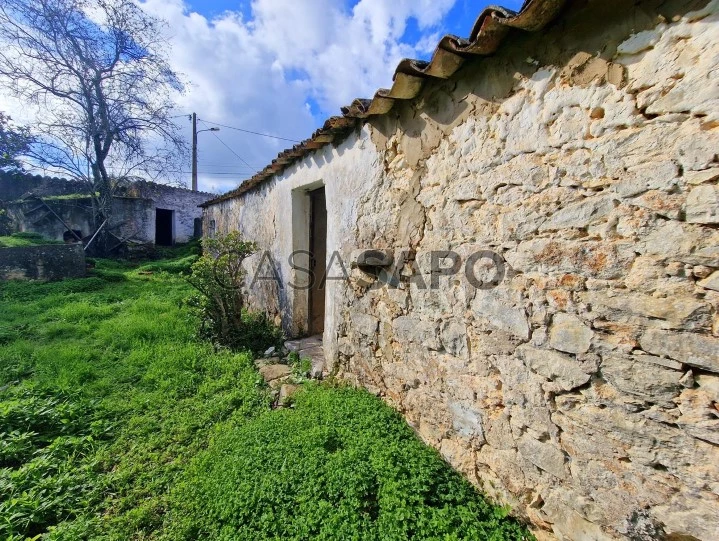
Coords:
pixel 340 465
pixel 118 422
pixel 66 197
pixel 25 239
pixel 142 391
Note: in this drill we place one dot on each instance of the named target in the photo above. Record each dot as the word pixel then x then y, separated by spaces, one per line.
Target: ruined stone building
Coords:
pixel 574 147
pixel 143 212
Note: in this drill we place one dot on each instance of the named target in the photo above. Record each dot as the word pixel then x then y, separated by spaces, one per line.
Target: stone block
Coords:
pixel 677 311
pixel 454 338
pixel 711 282
pixel 273 372
pixel 498 309
pixel 286 392
pixel 700 177
pixel 466 421
pixel 660 361
pixel 364 323
pixel 408 329
pixel 661 175
pixel 703 205
pixel 569 334
pixel 689 348
pixel 648 381
pixel 545 455
pixel 580 214
pixel 557 367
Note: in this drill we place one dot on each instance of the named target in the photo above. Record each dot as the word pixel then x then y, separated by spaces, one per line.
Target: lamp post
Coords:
pixel 194 149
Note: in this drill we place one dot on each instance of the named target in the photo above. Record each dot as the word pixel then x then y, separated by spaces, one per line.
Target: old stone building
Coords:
pixel 574 147
pixel 143 212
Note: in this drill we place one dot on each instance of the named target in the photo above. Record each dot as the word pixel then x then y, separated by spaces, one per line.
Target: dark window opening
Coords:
pixel 164 225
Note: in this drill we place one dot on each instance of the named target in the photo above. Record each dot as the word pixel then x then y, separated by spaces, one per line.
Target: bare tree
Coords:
pixel 99 74
pixel 14 141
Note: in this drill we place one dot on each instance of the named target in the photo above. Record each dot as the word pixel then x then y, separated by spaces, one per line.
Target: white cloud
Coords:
pixel 282 70
pixel 262 73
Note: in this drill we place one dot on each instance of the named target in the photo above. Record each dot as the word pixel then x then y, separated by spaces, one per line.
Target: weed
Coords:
pixel 301 367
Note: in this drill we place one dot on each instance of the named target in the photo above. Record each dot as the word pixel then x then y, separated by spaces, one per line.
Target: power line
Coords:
pixel 113 170
pixel 228 148
pixel 222 166
pixel 60 171
pixel 250 131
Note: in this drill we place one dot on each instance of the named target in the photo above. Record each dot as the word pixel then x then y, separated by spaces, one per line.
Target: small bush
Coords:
pixel 219 277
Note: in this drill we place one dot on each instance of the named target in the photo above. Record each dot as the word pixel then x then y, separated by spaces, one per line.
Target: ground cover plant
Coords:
pixel 119 421
pixel 339 465
pixel 24 239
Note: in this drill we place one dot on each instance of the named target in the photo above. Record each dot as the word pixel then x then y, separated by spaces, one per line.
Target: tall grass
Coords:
pixel 124 356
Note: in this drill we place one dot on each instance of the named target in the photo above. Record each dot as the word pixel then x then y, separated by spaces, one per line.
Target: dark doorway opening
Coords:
pixel 318 260
pixel 164 225
pixel 71 236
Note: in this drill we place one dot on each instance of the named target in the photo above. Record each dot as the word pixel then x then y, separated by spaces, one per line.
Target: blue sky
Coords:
pixel 458 20
pixel 283 66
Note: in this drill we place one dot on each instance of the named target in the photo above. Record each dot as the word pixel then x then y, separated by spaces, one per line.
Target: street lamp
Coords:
pixel 194 149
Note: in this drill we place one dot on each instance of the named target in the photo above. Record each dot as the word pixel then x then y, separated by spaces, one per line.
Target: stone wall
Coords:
pixel 583 390
pixel 15 184
pixel 132 217
pixel 185 203
pixel 49 262
pixel 133 213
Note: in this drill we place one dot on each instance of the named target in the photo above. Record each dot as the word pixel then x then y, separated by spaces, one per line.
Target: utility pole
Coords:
pixel 194 149
pixel 194 152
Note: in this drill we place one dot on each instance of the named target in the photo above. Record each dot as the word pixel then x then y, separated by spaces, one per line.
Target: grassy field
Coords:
pixel 24 239
pixel 118 422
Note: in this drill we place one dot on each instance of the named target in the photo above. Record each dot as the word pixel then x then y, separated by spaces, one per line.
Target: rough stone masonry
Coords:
pixel 583 390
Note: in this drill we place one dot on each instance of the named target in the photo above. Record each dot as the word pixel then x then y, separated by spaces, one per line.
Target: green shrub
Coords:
pixel 340 465
pixel 218 276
